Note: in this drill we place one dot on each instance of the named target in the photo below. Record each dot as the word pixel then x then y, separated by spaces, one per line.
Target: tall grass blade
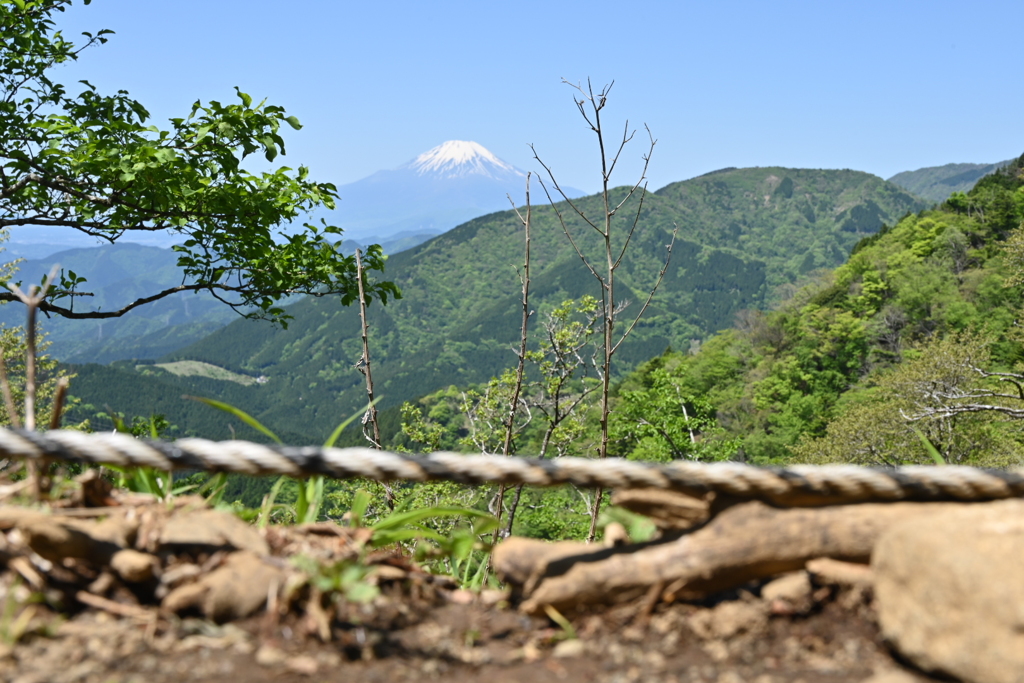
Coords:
pixel 933 452
pixel 237 412
pixel 340 428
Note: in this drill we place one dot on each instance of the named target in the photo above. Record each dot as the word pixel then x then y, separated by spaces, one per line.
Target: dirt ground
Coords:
pixel 157 592
pixel 455 637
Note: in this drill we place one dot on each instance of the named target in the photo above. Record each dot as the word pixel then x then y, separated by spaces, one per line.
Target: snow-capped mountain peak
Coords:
pixel 458 158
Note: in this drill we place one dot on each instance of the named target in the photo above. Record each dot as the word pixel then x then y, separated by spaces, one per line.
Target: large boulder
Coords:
pixel 950 591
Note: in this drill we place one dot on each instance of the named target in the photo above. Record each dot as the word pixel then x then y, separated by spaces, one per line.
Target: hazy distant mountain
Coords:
pixel 938 182
pixel 441 188
pixel 117 274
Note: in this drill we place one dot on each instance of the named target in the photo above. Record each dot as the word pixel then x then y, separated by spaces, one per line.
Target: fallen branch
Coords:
pixel 744 542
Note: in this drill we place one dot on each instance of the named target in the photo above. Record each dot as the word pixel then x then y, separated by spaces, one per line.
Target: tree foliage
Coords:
pixel 914 337
pixel 663 422
pixel 97 164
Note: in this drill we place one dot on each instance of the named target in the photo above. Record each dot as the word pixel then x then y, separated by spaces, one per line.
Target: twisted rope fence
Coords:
pixel 799 485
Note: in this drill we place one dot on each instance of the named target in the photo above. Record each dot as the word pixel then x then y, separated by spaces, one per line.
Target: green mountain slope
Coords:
pixel 794 220
pixel 938 182
pixel 832 373
pixel 744 235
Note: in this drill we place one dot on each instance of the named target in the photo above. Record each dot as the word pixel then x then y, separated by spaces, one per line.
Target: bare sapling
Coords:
pixel 517 388
pixel 33 299
pixel 370 423
pixel 590 105
pixel 557 398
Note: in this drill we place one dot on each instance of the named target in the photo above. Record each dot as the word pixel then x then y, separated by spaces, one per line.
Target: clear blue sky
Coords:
pixel 876 86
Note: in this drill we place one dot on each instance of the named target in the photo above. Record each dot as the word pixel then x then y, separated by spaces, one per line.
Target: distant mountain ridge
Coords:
pixel 119 273
pixel 428 195
pixel 938 182
pixel 438 190
pixel 744 233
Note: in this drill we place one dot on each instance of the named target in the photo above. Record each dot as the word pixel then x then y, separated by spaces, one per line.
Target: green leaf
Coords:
pixel 240 414
pixel 413 516
pixel 246 99
pixel 933 452
pixel 293 122
pixel 360 503
pixel 333 438
pixel 382 538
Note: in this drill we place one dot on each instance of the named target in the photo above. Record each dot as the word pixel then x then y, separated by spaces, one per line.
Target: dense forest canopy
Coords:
pixel 845 369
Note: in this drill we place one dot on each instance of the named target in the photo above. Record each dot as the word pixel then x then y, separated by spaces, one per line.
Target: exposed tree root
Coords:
pixel 744 542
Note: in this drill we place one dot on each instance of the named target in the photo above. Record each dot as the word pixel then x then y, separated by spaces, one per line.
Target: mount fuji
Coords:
pixel 439 189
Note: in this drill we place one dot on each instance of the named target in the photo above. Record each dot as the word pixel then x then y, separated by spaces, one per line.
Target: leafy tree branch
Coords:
pixel 96 163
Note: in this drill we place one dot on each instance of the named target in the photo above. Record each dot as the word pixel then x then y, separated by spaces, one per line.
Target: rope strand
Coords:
pixel 800 485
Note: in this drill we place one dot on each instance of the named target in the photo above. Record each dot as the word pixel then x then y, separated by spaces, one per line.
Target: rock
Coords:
pixel 789 594
pixel 569 648
pixel 133 566
pixel 236 589
pixel 302 664
pixel 728 619
pixel 56 540
pixel 214 529
pixel 615 535
pixel 950 592
pixel 116 529
pixel 184 597
pixel 268 655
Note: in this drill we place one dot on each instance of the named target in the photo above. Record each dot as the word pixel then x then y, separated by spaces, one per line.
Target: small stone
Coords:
pixel 789 594
pixel 133 566
pixel 615 535
pixel 570 648
pixel 214 529
pixel 385 572
pixel 179 573
pixel 268 655
pixel 728 619
pixel 303 664
pixel 234 590
pixel 493 596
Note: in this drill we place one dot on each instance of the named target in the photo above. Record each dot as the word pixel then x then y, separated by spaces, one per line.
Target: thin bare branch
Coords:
pixel 565 197
pixel 643 172
pixel 650 296
pixel 632 227
pixel 5 386
pixel 565 229
pixel 627 135
pixel 517 389
pixel 370 423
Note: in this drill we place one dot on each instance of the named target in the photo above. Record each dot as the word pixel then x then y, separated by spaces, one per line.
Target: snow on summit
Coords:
pixel 457 158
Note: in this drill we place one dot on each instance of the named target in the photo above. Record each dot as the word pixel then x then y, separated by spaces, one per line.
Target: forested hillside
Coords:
pixel 745 236
pixel 116 275
pixel 883 359
pixel 937 183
